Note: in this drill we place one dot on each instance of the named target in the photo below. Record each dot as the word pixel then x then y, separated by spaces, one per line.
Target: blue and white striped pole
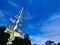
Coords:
pixel 15 27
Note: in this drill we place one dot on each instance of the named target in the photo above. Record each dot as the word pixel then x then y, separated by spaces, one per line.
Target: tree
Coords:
pixel 58 43
pixel 49 42
pixel 21 41
pixel 34 44
pixel 3 36
pixel 18 41
pixel 27 40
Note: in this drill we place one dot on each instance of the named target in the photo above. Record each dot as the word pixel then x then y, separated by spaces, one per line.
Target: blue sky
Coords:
pixel 41 18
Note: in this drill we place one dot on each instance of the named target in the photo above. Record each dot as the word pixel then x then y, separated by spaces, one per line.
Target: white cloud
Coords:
pixel 37 39
pixel 52 25
pixel 2 17
pixel 12 3
pixel 41 40
pixel 50 29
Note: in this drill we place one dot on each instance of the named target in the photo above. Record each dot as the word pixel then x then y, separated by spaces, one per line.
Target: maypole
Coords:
pixel 12 31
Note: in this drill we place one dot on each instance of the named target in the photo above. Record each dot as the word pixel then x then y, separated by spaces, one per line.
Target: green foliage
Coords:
pixel 58 43
pixel 27 39
pixel 34 44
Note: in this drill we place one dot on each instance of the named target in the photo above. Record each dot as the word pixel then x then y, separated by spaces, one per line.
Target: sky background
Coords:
pixel 41 18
